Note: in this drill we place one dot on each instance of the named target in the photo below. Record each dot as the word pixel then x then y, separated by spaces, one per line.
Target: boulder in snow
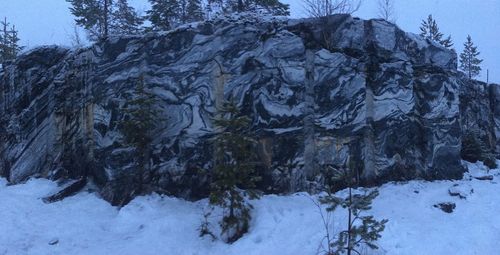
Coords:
pixel 447 207
pixel 460 191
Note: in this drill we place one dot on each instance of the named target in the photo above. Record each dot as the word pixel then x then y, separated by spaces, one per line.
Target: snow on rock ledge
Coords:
pixel 386 97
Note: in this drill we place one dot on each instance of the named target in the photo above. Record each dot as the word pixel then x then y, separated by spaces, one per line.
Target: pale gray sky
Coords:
pixel 49 22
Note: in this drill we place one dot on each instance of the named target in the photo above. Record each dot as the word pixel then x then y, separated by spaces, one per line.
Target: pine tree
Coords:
pixel 430 30
pixel 234 175
pixel 447 43
pixel 9 42
pixel 274 7
pixel 14 46
pixel 4 41
pixel 164 14
pixel 361 229
pixel 469 61
pixel 138 127
pixel 124 19
pixel 93 15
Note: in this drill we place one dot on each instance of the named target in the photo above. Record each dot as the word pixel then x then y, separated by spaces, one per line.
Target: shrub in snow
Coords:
pixel 447 207
pixel 471 147
pixel 474 149
pixel 205 226
pixel 234 175
pixel 362 230
pixel 490 161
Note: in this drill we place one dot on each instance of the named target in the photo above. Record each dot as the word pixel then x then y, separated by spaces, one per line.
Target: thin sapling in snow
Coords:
pixel 362 229
pixel 234 174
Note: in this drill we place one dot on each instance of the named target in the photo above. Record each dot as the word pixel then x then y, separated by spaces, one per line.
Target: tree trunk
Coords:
pixel 349 226
pixel 106 12
pixel 231 207
pixel 5 41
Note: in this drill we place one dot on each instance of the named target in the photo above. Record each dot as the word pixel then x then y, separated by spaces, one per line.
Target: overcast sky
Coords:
pixel 49 22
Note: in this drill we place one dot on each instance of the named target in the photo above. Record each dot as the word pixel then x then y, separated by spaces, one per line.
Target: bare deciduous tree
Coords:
pixel 322 8
pixel 386 10
pixel 75 37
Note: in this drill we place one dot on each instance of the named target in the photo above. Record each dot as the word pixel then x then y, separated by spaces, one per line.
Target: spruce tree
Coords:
pixel 104 17
pixel 4 41
pixel 164 14
pixel 361 229
pixel 234 174
pixel 430 30
pixel 141 120
pixel 469 61
pixel 14 46
pixel 93 15
pixel 9 41
pixel 124 19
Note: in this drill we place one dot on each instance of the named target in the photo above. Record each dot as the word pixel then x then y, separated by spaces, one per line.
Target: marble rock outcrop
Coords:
pixel 318 91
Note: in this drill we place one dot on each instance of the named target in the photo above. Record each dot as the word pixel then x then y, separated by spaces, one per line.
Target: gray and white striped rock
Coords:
pixel 386 97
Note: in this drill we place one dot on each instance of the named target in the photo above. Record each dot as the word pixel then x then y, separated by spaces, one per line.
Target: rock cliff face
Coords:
pixel 317 90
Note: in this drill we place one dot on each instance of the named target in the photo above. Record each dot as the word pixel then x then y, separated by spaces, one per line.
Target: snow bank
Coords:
pixel 85 224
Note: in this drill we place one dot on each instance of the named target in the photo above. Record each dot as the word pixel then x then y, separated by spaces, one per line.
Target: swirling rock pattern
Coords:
pixel 317 90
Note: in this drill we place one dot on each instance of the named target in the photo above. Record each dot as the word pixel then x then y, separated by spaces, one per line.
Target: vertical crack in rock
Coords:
pixel 310 166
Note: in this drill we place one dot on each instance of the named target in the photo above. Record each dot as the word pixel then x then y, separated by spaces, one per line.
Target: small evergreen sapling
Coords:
pixel 204 228
pixel 234 175
pixel 361 229
pixel 142 119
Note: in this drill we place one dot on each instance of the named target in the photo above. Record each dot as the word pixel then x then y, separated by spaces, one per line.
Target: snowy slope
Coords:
pixel 85 224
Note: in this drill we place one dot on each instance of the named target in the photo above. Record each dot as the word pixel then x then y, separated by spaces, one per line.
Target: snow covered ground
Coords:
pixel 85 224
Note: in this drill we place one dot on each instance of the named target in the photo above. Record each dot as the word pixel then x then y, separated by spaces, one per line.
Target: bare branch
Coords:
pixel 386 10
pixel 76 39
pixel 322 8
pixel 326 225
